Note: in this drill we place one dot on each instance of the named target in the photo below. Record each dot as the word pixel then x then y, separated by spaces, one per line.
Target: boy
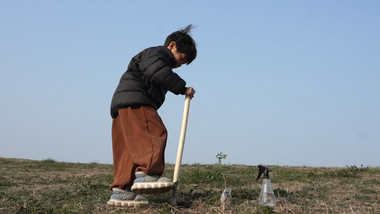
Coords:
pixel 138 133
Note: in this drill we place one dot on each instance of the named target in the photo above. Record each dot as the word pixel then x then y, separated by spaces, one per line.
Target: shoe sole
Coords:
pixel 125 203
pixel 152 187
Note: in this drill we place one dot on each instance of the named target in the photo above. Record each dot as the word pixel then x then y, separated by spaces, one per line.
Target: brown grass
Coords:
pixel 28 186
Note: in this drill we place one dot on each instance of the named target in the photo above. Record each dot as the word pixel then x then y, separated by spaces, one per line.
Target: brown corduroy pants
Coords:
pixel 138 143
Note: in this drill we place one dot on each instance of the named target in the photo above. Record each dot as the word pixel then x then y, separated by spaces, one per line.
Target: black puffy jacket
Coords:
pixel 148 77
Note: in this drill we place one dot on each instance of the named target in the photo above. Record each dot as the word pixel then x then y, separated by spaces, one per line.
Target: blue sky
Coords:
pixel 278 82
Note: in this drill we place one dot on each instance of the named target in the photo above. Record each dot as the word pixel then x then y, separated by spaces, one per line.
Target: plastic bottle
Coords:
pixel 226 199
pixel 266 197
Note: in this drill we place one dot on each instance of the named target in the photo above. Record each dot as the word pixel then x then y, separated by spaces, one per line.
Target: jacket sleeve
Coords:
pixel 157 70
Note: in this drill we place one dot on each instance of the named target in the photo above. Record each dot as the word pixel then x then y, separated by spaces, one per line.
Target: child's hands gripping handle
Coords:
pixel 190 92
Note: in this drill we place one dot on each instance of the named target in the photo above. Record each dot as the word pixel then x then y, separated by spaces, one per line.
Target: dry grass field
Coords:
pixel 48 186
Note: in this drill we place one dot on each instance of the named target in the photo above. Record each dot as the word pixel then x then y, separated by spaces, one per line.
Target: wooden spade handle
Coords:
pixel 181 139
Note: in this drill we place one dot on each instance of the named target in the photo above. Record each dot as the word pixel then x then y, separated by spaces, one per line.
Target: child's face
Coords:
pixel 180 58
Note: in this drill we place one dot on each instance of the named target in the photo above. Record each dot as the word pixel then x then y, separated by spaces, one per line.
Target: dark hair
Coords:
pixel 185 44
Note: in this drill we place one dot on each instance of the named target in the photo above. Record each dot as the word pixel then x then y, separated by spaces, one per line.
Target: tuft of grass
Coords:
pixel 4 182
pixel 49 161
pixel 351 172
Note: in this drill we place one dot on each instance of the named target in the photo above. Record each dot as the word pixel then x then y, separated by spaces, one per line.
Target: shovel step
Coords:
pixel 152 187
pixel 125 203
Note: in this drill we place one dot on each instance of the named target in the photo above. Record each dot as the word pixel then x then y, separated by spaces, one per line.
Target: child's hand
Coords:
pixel 190 92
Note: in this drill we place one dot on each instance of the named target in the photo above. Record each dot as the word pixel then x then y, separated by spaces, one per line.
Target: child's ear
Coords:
pixel 172 45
